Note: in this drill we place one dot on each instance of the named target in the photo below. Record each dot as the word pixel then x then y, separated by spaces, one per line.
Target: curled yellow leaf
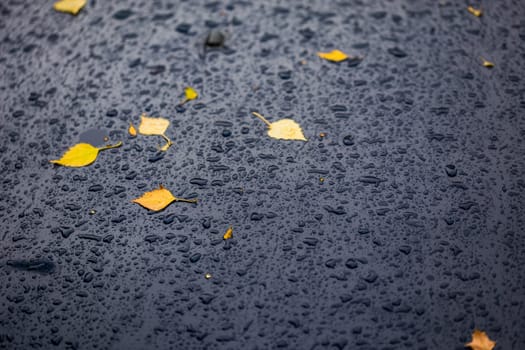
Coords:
pixel 228 234
pixel 159 199
pixel 131 130
pixel 81 154
pixel 284 129
pixel 480 341
pixel 334 56
pixel 155 126
pixel 474 11
pixel 69 6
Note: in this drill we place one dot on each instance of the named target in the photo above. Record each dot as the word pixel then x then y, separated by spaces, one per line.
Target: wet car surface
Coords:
pixel 399 224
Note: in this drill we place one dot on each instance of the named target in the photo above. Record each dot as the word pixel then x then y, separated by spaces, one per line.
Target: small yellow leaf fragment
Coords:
pixel 208 276
pixel 284 129
pixel 486 63
pixel 131 130
pixel 474 11
pixel 480 341
pixel 159 199
pixel 190 93
pixel 334 56
pixel 228 234
pixel 69 6
pixel 81 154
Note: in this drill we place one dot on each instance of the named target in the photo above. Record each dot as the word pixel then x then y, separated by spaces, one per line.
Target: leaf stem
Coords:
pixel 168 143
pixel 262 118
pixel 166 138
pixel 117 145
pixel 194 200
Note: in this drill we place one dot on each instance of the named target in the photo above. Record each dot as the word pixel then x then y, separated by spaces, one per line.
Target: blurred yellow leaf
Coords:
pixel 159 199
pixel 131 130
pixel 190 93
pixel 284 129
pixel 228 234
pixel 334 56
pixel 155 126
pixel 69 6
pixel 486 63
pixel 81 154
pixel 474 11
pixel 480 341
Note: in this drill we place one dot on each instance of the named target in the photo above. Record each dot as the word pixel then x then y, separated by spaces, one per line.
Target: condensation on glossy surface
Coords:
pixel 401 227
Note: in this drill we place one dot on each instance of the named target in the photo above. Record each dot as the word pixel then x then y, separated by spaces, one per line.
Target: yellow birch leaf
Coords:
pixel 70 6
pixel 155 126
pixel 486 63
pixel 334 56
pixel 159 199
pixel 131 130
pixel 81 154
pixel 190 93
pixel 284 129
pixel 474 11
pixel 480 341
pixel 228 234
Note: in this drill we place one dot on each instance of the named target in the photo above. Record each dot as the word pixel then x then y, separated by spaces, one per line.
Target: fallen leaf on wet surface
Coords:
pixel 228 234
pixel 155 127
pixel 81 154
pixel 486 63
pixel 191 94
pixel 334 56
pixel 131 130
pixel 159 199
pixel 70 6
pixel 474 11
pixel 284 129
pixel 480 341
